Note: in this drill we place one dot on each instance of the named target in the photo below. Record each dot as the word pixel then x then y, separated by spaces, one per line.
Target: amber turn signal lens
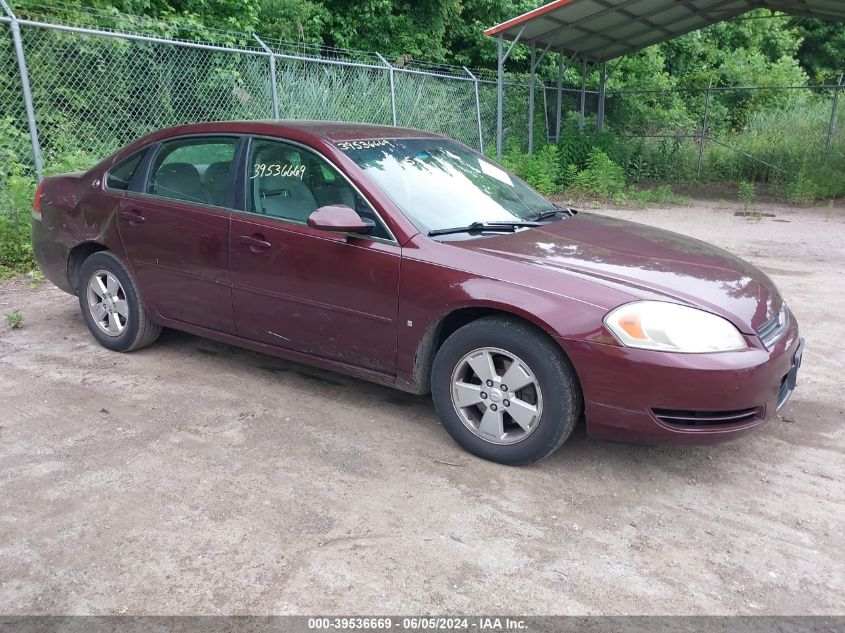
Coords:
pixel 631 324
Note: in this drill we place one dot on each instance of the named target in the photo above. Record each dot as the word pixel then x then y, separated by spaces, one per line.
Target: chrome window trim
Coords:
pixel 153 196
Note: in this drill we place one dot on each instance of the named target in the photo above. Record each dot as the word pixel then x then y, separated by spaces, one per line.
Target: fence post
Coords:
pixel 559 96
pixel 500 97
pixel 531 101
pixel 477 110
pixel 602 97
pixel 583 96
pixel 274 88
pixel 832 127
pixel 27 93
pixel 704 130
pixel 392 86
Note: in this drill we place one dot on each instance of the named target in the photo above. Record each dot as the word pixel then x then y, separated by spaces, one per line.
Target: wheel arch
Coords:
pixel 450 321
pixel 77 256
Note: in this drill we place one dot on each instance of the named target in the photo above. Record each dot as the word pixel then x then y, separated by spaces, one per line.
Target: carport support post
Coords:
pixel 602 96
pixel 832 127
pixel 531 101
pixel 499 99
pixel 583 95
pixel 559 95
pixel 392 86
pixel 27 93
pixel 477 110
pixel 274 87
pixel 704 130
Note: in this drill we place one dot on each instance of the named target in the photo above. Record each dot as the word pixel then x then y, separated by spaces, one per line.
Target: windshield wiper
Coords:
pixel 485 226
pixel 553 213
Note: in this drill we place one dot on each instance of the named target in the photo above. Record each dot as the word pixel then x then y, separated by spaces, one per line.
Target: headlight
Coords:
pixel 670 327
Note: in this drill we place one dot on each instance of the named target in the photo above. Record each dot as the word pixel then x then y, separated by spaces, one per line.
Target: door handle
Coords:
pixel 256 243
pixel 134 217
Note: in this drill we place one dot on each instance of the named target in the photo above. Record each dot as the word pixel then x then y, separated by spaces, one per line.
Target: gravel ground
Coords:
pixel 193 477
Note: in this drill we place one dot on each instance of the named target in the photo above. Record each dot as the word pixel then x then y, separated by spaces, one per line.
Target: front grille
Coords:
pixel 678 417
pixel 771 331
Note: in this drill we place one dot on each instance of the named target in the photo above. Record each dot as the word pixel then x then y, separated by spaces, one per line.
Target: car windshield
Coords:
pixel 439 184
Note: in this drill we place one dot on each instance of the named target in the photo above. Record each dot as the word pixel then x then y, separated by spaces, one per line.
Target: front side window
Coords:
pixel 290 182
pixel 439 184
pixel 193 170
pixel 120 176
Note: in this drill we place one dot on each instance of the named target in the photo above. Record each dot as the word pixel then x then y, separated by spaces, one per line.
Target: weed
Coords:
pixel 14 319
pixel 35 278
pixel 747 193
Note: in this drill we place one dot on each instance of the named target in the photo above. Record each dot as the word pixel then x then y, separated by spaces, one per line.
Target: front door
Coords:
pixel 176 232
pixel 326 294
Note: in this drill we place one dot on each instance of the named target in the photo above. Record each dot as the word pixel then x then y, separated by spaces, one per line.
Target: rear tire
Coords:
pixel 111 307
pixel 511 424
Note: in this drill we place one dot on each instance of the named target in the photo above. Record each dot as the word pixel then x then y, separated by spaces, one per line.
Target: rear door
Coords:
pixel 175 230
pixel 327 294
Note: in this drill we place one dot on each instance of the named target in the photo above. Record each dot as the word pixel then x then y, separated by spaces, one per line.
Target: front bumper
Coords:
pixel 625 390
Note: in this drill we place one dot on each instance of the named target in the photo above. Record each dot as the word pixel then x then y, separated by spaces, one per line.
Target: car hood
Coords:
pixel 644 261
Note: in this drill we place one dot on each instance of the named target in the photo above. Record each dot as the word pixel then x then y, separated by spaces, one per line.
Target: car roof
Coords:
pixel 332 131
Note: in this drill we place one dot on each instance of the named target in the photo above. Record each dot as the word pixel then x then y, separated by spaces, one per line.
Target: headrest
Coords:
pixel 216 171
pixel 172 171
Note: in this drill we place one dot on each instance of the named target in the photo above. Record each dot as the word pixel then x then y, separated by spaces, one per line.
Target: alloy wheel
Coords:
pixel 496 395
pixel 107 303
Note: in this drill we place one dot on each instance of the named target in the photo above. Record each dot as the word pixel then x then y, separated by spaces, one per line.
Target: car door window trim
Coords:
pixel 141 179
pixel 138 168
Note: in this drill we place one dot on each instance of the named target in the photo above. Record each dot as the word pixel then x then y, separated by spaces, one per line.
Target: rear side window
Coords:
pixel 193 170
pixel 120 176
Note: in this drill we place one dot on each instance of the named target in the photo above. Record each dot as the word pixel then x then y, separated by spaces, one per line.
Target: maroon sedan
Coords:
pixel 409 259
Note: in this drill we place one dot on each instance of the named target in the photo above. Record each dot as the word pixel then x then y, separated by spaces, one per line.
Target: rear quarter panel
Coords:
pixel 75 210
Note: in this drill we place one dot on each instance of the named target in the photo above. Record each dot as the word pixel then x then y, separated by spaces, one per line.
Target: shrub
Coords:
pixel 747 193
pixel 15 209
pixel 540 170
pixel 602 178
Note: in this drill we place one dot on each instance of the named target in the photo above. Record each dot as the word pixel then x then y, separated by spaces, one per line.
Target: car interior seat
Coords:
pixel 283 196
pixel 214 180
pixel 180 181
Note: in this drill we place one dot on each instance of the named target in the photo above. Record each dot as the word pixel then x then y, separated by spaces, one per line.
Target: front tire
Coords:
pixel 516 423
pixel 111 307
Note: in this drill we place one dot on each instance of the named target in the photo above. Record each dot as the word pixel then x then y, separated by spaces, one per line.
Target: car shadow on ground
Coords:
pixel 580 448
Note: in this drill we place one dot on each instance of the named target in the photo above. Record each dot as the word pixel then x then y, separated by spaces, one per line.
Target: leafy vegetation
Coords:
pixel 16 206
pixel 14 319
pixel 747 193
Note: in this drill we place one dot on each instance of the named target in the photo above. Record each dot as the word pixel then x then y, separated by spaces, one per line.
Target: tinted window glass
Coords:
pixel 120 176
pixel 193 170
pixel 289 182
pixel 439 184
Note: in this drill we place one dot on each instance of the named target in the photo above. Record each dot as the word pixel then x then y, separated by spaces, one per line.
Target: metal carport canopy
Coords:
pixel 595 31
pixel 600 30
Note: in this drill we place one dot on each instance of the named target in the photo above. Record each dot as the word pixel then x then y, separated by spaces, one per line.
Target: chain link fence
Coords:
pixel 15 147
pixel 93 91
pixel 728 134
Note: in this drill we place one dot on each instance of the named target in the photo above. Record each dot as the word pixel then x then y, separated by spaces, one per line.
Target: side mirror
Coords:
pixel 338 218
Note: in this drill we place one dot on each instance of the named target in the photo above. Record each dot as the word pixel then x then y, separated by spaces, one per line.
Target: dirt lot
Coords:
pixel 193 477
